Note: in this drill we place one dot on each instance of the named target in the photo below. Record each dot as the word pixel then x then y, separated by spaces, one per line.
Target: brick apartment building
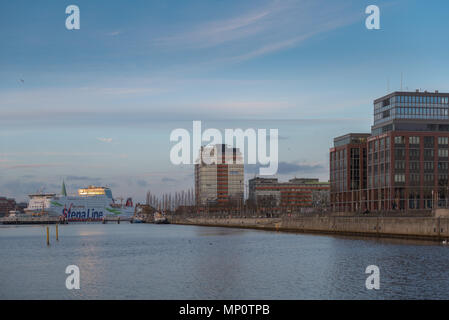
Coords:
pixel 296 193
pixel 407 156
pixel 348 172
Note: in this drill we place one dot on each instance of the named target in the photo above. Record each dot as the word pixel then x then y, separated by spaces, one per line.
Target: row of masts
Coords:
pixel 171 201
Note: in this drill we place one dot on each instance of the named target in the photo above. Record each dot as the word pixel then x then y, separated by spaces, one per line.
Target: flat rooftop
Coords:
pixel 419 93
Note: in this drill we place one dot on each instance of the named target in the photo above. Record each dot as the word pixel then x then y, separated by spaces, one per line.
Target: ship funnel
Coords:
pixel 63 190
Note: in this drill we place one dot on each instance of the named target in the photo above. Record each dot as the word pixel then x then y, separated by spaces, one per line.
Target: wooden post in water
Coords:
pixel 48 237
pixel 57 233
pixel 118 221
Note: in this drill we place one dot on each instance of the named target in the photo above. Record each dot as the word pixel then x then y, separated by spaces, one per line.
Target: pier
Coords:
pixel 116 220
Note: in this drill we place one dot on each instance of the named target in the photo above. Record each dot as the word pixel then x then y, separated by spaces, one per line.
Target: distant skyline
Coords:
pixel 97 105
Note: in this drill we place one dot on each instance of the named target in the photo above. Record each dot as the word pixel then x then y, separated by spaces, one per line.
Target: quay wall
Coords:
pixel 53 220
pixel 429 228
pixel 30 220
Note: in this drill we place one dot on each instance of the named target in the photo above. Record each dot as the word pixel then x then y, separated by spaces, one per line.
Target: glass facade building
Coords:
pixel 408 111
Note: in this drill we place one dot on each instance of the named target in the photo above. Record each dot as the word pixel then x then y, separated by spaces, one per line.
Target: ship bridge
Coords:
pixel 95 191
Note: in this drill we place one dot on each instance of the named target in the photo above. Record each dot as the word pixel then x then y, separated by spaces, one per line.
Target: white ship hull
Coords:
pixel 88 209
pixel 79 207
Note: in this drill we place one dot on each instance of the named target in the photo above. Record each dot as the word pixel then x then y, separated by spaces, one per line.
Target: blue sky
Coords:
pixel 97 105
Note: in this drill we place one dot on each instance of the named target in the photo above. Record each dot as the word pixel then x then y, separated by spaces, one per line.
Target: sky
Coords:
pixel 97 105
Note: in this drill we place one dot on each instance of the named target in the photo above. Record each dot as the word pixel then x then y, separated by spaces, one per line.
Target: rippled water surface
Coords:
pixel 142 261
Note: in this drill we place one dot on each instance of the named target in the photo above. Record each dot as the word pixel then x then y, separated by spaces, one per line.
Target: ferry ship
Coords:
pixel 91 204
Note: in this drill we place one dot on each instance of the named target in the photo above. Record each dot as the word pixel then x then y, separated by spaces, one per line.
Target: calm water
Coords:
pixel 137 261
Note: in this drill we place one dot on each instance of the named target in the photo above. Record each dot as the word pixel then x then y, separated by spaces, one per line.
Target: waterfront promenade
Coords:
pixel 426 227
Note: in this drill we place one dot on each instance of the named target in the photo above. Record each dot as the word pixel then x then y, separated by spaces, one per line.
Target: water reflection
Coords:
pixel 186 262
pixel 213 231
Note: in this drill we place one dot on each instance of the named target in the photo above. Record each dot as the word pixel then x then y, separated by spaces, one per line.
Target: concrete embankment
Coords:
pixel 429 228
pixel 54 220
pixel 30 220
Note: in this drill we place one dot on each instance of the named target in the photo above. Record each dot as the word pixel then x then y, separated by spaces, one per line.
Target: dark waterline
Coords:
pixel 144 261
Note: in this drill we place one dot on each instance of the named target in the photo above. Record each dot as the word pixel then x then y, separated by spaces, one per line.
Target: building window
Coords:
pixel 442 140
pixel 414 153
pixel 428 165
pixel 399 178
pixel 442 179
pixel 413 140
pixel 399 140
pixel 443 153
pixel 399 153
pixel 414 165
pixel 428 141
pixel 428 153
pixel 399 165
pixel 414 177
pixel 442 166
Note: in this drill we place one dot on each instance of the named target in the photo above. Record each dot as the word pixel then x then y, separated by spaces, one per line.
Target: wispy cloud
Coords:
pixel 305 168
pixel 80 178
pixel 31 166
pixel 113 33
pixel 168 180
pixel 129 91
pixel 106 140
pixel 244 107
pixel 285 168
pixel 57 154
pixel 57 94
pixel 142 183
pixel 20 188
pixel 218 32
pixel 278 25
